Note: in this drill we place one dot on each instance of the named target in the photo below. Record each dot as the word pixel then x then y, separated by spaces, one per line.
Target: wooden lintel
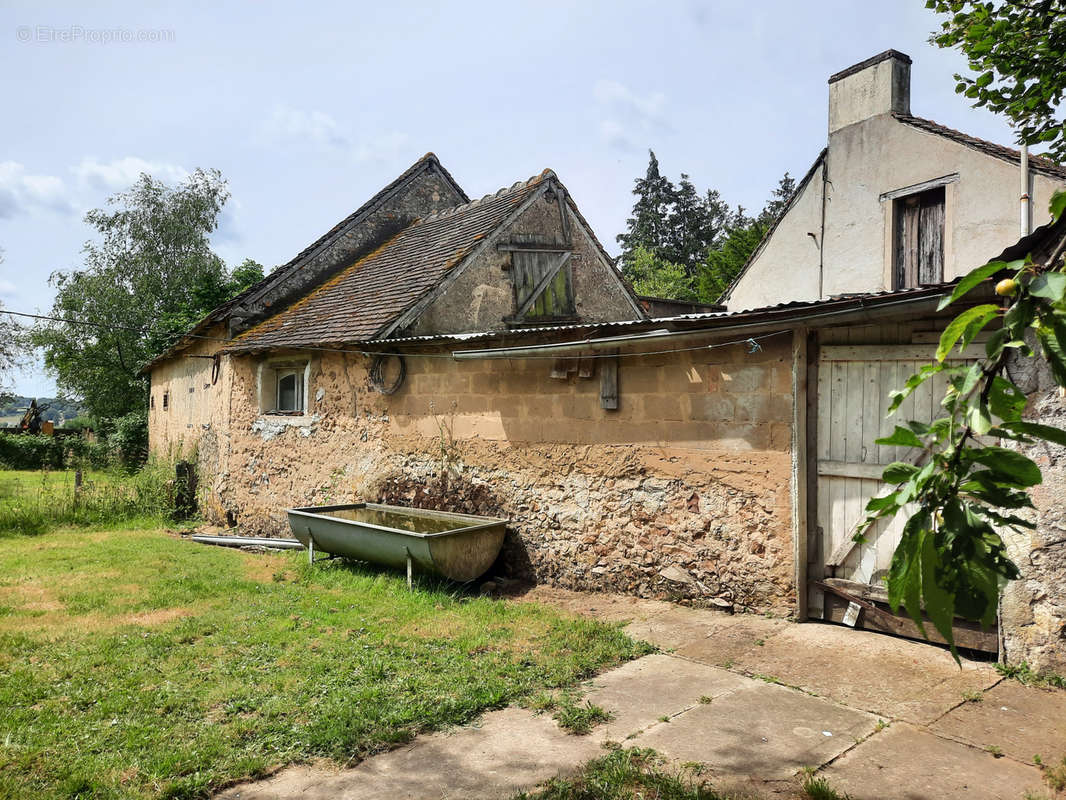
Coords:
pixel 520 247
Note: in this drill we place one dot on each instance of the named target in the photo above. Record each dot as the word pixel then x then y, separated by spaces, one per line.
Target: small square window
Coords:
pixel 290 396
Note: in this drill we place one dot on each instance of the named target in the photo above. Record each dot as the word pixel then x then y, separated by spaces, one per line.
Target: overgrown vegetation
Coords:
pixel 141 666
pixel 1054 774
pixel 579 718
pixel 1025 675
pixel 628 775
pixel 819 788
pixel 32 503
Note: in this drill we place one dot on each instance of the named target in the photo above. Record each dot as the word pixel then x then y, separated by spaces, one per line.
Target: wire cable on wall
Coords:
pixel 377 369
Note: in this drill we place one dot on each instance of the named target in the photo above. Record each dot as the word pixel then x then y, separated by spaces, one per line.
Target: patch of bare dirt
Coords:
pixel 159 616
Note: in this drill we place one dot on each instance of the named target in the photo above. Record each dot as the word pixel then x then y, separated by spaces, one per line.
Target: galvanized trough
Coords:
pixel 456 546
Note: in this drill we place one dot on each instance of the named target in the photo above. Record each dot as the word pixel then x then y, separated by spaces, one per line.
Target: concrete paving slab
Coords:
pixel 510 751
pixel 1022 721
pixel 679 627
pixel 729 642
pixel 761 730
pixel 904 763
pixel 639 693
pixel 896 678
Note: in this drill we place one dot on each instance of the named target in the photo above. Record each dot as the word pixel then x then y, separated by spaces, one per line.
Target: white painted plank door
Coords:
pixel 853 387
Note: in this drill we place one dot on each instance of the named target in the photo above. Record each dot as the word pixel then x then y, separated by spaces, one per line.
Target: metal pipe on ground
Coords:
pixel 248 541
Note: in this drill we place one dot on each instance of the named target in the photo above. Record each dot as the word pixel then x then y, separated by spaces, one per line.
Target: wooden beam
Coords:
pixel 815 568
pixel 520 247
pixel 875 618
pixel 843 469
pixel 609 383
pixel 799 469
pixel 920 187
pixel 894 352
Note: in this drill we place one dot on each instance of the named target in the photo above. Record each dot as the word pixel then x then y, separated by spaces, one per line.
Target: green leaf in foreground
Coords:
pixel 964 328
pixel 975 277
pixel 900 437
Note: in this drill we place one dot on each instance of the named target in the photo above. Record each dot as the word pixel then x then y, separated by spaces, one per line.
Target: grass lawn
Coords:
pixel 134 664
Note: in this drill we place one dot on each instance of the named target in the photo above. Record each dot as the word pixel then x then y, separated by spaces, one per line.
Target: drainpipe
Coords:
pixel 1024 200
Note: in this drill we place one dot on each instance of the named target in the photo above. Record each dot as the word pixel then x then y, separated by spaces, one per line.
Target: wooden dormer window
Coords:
pixel 540 276
pixel 919 239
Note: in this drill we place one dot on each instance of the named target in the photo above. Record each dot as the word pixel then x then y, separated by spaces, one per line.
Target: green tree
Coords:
pixel 655 277
pixel 648 227
pixel 1017 52
pixel 779 197
pixel 149 267
pixel 694 224
pixel 724 261
pixel 11 337
pixel 210 289
pixel 951 559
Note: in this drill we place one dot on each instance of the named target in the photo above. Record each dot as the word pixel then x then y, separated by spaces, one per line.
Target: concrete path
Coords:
pixel 754 700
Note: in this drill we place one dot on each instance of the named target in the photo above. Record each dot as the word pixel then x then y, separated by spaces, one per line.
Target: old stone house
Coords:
pixel 486 357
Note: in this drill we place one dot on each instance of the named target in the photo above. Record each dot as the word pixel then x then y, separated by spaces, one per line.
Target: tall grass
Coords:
pixel 32 503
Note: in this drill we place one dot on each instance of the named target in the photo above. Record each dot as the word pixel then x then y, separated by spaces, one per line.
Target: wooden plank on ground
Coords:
pixel 876 618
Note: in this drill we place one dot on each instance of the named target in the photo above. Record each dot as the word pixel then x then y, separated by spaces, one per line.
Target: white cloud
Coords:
pixel 293 124
pixel 386 147
pixel 628 115
pixel 23 193
pixel 121 173
pixel 622 99
pixel 287 125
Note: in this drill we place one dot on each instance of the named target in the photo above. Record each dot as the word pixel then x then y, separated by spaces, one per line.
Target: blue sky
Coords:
pixel 308 109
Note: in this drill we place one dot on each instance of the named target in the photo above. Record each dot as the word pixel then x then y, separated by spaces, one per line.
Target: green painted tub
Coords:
pixel 456 546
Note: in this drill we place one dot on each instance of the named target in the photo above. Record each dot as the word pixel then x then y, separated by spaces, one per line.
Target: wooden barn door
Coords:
pixel 853 384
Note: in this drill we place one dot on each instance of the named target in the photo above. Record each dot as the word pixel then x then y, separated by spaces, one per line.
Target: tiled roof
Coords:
pixel 1036 163
pixel 361 300
pixel 220 313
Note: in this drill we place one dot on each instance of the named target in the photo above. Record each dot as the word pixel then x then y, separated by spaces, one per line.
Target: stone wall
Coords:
pixel 682 492
pixel 1033 612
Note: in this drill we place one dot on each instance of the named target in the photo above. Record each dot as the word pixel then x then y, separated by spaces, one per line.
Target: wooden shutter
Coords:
pixel 919 257
pixel 931 237
pixel 530 269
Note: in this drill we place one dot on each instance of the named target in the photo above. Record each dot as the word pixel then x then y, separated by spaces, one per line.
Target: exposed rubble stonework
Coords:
pixel 683 492
pixel 1033 611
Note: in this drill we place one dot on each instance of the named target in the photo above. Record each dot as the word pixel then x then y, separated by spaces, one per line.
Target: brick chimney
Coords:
pixel 878 85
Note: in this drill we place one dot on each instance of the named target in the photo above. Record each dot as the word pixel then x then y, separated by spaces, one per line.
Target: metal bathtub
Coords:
pixel 460 547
